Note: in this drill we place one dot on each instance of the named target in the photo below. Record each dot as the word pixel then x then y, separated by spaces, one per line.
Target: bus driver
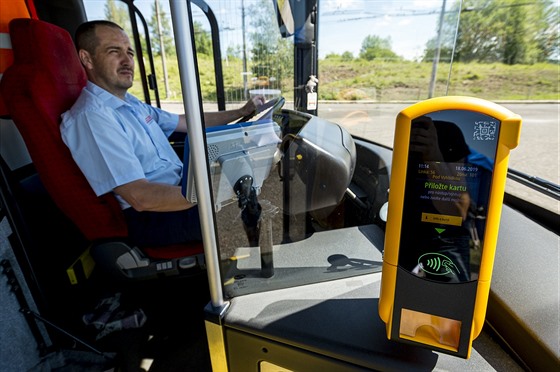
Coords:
pixel 121 144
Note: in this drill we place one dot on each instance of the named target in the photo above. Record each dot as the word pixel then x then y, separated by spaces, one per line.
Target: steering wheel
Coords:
pixel 272 105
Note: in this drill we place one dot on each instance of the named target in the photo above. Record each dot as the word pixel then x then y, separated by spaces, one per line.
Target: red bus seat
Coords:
pixel 9 11
pixel 44 81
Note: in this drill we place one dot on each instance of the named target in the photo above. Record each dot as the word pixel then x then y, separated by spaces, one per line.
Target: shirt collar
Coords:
pixel 109 99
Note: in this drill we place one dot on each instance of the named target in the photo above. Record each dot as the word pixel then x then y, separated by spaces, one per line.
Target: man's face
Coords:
pixel 112 64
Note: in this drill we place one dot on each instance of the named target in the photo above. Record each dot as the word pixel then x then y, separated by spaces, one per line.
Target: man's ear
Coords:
pixel 85 58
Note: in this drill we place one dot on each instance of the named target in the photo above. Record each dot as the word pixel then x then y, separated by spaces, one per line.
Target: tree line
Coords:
pixel 117 11
pixel 504 31
pixel 507 31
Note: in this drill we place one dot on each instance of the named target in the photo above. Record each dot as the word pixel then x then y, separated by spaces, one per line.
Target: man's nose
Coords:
pixel 127 60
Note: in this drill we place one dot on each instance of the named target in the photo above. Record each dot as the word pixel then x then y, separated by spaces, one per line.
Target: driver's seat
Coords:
pixel 44 81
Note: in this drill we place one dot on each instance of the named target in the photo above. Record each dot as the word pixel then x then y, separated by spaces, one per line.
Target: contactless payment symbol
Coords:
pixel 437 264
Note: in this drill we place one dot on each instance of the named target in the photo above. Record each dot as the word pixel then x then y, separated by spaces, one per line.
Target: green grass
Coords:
pixel 386 81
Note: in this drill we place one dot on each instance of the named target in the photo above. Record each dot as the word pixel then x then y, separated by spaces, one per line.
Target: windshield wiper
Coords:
pixel 547 187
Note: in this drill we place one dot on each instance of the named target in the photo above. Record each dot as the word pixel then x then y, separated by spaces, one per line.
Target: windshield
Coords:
pixel 374 59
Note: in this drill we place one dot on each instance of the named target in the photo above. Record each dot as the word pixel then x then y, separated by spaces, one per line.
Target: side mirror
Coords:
pixel 297 17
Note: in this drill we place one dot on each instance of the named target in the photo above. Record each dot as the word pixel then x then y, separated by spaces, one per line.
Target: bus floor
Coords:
pixel 173 337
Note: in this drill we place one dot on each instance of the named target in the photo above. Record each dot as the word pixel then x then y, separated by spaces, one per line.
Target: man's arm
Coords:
pixel 143 195
pixel 223 117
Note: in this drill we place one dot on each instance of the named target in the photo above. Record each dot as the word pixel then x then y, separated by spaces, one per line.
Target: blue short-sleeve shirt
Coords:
pixel 116 141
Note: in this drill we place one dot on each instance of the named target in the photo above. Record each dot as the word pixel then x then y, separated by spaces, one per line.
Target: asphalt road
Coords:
pixel 536 155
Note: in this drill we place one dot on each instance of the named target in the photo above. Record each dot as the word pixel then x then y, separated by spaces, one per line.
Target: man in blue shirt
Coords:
pixel 121 144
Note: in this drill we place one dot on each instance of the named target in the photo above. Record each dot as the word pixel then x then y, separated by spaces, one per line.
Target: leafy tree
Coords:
pixel 166 30
pixel 344 57
pixel 376 47
pixel 448 31
pixel 513 45
pixel 347 56
pixel 446 50
pixel 117 11
pixel 271 55
pixel 202 39
pixel 234 51
pixel 507 31
pixel 546 32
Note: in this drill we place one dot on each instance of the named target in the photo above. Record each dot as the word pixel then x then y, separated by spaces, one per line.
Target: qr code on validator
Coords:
pixel 484 131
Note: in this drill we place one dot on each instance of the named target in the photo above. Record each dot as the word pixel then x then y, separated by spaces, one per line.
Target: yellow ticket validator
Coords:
pixel 450 160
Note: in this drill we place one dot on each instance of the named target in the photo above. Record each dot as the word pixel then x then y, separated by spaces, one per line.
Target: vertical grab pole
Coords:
pixel 193 111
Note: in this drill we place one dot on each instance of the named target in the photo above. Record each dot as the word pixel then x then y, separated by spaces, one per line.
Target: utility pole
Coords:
pixel 162 51
pixel 244 50
pixel 437 53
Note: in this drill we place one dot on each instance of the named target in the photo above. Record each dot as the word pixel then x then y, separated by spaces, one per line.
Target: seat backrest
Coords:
pixel 44 81
pixel 9 11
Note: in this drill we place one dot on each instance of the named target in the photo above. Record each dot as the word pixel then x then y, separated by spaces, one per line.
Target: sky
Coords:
pixel 343 23
pixel 409 24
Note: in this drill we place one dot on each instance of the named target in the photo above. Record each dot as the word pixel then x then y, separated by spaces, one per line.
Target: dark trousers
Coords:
pixel 163 228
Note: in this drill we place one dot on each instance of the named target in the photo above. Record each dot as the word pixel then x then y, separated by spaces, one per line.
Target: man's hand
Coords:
pixel 252 105
pixel 223 117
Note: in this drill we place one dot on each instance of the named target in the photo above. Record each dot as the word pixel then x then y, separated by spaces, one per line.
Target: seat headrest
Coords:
pixel 50 50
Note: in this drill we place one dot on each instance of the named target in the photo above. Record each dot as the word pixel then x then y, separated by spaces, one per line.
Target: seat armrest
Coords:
pixel 123 262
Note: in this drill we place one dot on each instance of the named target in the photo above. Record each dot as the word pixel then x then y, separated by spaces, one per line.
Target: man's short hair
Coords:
pixel 85 34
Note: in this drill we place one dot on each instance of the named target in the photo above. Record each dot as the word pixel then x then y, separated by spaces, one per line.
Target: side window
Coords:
pixel 146 86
